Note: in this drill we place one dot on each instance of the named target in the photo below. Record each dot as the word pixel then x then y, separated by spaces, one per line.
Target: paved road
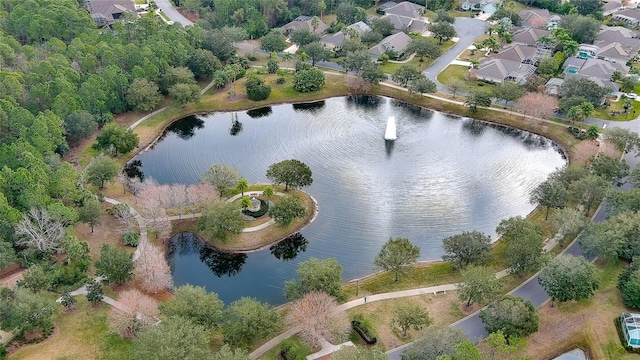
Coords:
pixel 172 13
pixel 468 30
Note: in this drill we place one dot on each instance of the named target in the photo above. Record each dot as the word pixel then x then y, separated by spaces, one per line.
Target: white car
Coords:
pixel 631 95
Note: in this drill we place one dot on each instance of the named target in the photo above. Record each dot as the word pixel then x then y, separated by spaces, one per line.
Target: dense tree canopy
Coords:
pixel 513 316
pixel 397 255
pixel 435 342
pixel 247 319
pixel 174 338
pixel 568 278
pixel 467 248
pixel 195 304
pixel 315 274
pixel 292 173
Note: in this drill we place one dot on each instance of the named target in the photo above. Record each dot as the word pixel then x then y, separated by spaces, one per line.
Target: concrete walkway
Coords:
pixel 327 348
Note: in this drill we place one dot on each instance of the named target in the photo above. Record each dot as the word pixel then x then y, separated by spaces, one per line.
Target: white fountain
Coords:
pixel 390 132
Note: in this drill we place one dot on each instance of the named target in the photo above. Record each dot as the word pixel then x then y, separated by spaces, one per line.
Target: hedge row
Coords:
pixel 264 207
pixel 290 350
pixel 363 328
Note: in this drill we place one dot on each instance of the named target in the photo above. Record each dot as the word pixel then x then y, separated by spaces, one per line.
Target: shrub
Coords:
pixel 3 352
pixel 282 72
pixel 577 133
pixel 290 350
pixel 252 57
pixel 256 89
pixel 280 80
pixel 364 328
pixel 272 66
pixel 131 238
pixel 264 207
pixel 308 80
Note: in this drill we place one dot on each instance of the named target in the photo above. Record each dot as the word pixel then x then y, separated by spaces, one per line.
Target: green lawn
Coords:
pixel 390 67
pixel 459 72
pixel 617 106
pixel 274 353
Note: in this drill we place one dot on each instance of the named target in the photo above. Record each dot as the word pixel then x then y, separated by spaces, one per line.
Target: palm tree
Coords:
pixel 303 56
pixel 245 202
pixel 242 185
pixel 287 56
pixel 491 43
pixel 587 110
pixel 574 114
pixel 267 192
pixel 546 41
pixel 570 47
pixel 593 131
pixel 314 23
pixel 627 104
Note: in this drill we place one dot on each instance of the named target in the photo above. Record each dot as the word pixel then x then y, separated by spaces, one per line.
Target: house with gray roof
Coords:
pixel 397 42
pixel 384 7
pixel 617 52
pixel 305 22
pixel 599 71
pixel 473 5
pixel 552 87
pixel 518 53
pixel 611 7
pixel 572 65
pixel 334 41
pixel 406 9
pixel 107 12
pixel 616 33
pixel 529 36
pixel 406 17
pixel 628 16
pixel 500 70
pixel 537 18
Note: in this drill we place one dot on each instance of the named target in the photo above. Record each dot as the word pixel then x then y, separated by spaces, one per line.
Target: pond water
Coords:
pixel 443 175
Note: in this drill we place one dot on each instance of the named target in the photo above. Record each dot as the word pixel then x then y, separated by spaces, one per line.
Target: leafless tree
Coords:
pixel 177 197
pixel 153 202
pixel 137 311
pixel 40 232
pixel 318 317
pixel 537 104
pixel 201 194
pixel 357 85
pixel 123 214
pixel 152 269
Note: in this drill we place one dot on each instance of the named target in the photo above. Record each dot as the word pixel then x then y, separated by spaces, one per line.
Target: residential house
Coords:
pixel 599 71
pixel 572 65
pixel 406 16
pixel 518 53
pixel 611 8
pixel 473 5
pixel 383 7
pixel 627 16
pixel 618 52
pixel 553 22
pixel 334 41
pixel 552 87
pixel 305 22
pixel 616 33
pixel 397 42
pixel 500 70
pixel 106 12
pixel 588 51
pixel 631 329
pixel 536 18
pixel 529 36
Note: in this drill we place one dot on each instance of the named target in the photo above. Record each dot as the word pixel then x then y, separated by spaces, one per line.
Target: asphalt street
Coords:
pixel 172 13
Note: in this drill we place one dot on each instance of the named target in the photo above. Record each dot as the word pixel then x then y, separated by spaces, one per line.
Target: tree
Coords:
pixel 272 66
pixel 455 86
pixel 292 173
pixel 39 232
pixel 628 84
pixel 173 338
pixel 583 29
pixel 318 317
pixel 499 344
pixel 406 73
pixel 537 105
pixel 568 278
pixel 143 94
pixel 242 185
pixel 491 43
pixel 582 87
pixel 68 302
pixel 7 254
pixel 316 275
pixel 513 316
pixel 288 208
pixel 348 13
pixel 422 85
pixel 476 99
pixel 589 190
pixel 247 319
pixel 257 90
pixel 194 304
pixel 479 285
pixel 382 26
pixel 79 125
pixel 221 176
pixel 94 292
pixel 423 47
pixel 273 42
pixel 36 279
pixel 629 285
pixel 600 240
pixel 587 7
pixel 408 316
pixel 551 193
pixel 101 169
pixel 316 52
pixel 467 248
pixel 225 353
pixel 24 312
pixel 184 93
pixel 623 139
pixel 609 168
pixel 397 255
pixel 508 91
pixel 435 341
pixel 358 353
pixel 442 31
pixel 152 269
pixel 203 63
pixel 116 139
pixel 267 192
pixel 90 213
pixel 136 313
pixel 174 76
pixel 302 37
pixel 523 244
pixel 443 15
pixel 221 220
pixel 114 265
pixel 308 80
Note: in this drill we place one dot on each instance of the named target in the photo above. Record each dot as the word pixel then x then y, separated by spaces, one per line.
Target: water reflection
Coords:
pixel 260 112
pixel 290 247
pixel 219 262
pixel 388 146
pixel 370 100
pixel 236 125
pixel 133 170
pixel 186 128
pixel 474 127
pixel 309 107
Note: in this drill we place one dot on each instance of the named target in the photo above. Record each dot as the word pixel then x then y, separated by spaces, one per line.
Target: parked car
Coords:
pixel 631 95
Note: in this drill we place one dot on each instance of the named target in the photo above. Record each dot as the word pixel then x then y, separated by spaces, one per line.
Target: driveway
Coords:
pixel 172 13
pixel 531 290
pixel 468 30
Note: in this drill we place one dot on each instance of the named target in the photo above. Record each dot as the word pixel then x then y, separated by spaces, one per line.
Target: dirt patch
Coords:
pixel 443 309
pixel 189 15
